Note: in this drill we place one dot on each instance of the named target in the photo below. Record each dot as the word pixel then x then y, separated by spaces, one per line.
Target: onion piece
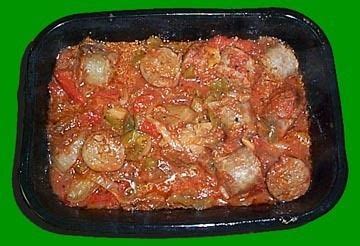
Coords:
pixel 80 189
pixel 67 157
pixel 181 112
pixel 106 183
pixel 97 69
pixel 166 135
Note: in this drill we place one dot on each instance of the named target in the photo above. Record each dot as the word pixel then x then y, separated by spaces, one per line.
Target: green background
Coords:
pixel 22 21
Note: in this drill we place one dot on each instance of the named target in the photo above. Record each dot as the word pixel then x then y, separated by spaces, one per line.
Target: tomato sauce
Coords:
pixel 157 124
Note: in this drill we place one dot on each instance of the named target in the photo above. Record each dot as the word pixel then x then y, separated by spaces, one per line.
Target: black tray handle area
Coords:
pixel 20 179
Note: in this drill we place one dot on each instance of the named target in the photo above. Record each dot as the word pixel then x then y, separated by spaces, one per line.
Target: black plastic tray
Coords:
pixel 30 175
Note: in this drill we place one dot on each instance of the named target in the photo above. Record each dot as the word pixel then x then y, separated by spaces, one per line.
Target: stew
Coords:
pixel 158 124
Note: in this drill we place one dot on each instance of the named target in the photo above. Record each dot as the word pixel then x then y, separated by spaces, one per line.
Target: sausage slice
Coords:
pixel 161 67
pixel 288 179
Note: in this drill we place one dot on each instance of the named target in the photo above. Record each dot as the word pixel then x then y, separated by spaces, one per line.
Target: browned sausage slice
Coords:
pixel 161 67
pixel 103 153
pixel 288 179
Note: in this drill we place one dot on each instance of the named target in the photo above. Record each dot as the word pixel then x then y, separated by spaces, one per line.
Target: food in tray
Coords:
pixel 162 124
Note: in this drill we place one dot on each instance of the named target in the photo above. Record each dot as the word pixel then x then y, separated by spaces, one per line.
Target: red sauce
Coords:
pixel 160 124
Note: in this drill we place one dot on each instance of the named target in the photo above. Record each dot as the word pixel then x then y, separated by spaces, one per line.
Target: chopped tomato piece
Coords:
pixel 149 128
pixel 107 94
pixel 66 81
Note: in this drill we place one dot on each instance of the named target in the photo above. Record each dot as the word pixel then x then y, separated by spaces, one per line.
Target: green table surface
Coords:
pixel 22 21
